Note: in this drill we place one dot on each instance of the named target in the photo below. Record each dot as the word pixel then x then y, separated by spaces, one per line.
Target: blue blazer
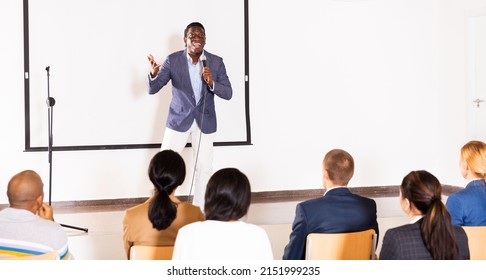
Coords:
pixel 337 211
pixel 468 206
pixel 183 108
pixel 405 243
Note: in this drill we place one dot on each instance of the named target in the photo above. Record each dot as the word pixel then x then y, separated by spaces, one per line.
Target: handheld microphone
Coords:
pixel 203 60
pixel 47 68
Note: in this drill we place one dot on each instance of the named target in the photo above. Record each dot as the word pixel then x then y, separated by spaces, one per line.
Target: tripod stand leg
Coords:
pixel 50 116
pixel 73 227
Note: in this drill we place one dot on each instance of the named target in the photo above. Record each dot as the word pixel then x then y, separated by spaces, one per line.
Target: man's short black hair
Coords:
pixel 193 24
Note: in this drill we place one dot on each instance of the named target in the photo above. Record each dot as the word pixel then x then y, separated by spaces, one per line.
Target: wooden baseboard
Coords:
pixel 257 197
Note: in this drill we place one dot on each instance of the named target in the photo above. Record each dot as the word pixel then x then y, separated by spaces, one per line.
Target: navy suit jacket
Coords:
pixel 406 243
pixel 183 108
pixel 337 211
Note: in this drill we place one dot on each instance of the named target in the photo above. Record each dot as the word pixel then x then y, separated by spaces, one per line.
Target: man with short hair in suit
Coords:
pixel 337 211
pixel 197 76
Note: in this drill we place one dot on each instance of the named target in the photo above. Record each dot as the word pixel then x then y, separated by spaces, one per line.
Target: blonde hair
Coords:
pixel 474 154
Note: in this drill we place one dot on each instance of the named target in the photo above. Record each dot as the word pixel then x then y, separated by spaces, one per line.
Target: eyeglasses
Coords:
pixel 193 36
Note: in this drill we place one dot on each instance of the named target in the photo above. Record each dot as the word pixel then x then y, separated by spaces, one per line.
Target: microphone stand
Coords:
pixel 191 199
pixel 50 111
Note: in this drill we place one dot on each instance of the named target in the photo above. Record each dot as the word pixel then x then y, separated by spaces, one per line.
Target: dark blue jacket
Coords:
pixel 337 211
pixel 183 108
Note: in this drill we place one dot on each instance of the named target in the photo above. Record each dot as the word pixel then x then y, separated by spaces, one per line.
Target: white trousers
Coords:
pixel 202 151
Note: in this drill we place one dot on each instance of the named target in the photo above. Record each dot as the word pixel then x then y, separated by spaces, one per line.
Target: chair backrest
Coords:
pixel 53 255
pixel 341 246
pixel 476 236
pixel 145 252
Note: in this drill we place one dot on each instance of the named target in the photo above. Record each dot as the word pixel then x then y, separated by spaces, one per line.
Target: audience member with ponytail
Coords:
pixel 158 220
pixel 468 206
pixel 430 235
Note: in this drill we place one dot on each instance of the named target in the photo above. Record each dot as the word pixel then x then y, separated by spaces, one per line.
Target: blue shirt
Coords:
pixel 468 206
pixel 195 72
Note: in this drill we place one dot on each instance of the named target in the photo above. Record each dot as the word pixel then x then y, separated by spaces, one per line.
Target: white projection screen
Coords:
pixel 96 51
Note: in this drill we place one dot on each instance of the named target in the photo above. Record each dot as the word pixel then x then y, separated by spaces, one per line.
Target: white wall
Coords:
pixel 454 102
pixel 383 79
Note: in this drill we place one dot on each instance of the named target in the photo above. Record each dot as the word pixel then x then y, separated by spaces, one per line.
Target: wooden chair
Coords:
pixel 53 255
pixel 341 246
pixel 145 252
pixel 476 236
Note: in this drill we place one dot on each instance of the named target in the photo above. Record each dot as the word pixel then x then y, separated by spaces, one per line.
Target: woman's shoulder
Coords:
pixel 237 226
pixel 404 230
pixel 250 228
pixel 462 195
pixel 188 206
pixel 142 207
pixel 460 232
pixel 190 210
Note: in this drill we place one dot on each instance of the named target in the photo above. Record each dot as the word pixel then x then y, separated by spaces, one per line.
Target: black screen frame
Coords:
pixel 27 113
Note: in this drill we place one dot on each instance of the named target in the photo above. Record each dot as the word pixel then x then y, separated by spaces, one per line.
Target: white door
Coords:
pixel 476 97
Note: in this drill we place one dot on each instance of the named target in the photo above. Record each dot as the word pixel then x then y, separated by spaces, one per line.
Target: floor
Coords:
pixel 103 241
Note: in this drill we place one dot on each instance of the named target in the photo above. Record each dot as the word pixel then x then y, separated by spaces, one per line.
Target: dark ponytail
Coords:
pixel 167 171
pixel 424 190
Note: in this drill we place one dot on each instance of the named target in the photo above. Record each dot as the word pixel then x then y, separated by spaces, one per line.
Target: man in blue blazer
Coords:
pixel 337 211
pixel 196 76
